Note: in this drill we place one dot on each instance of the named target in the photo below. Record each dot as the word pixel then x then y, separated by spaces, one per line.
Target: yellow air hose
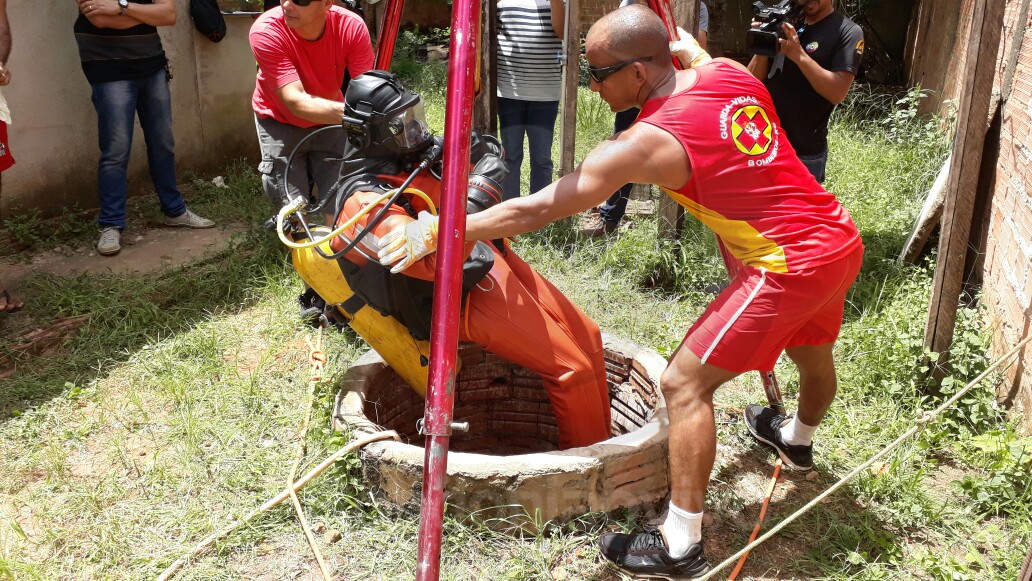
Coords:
pixel 295 206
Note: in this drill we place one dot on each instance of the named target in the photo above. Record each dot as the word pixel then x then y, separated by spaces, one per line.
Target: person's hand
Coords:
pixel 406 244
pixel 687 50
pixel 790 46
pixel 5 75
pixel 99 7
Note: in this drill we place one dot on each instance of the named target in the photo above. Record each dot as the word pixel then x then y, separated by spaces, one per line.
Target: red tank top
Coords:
pixel 747 184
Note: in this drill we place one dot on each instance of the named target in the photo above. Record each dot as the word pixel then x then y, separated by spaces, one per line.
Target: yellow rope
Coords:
pixel 274 501
pixel 317 358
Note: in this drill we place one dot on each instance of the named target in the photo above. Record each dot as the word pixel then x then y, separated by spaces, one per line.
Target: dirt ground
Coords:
pixel 143 250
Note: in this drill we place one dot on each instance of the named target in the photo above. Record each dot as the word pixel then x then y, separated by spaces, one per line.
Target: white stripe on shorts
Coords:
pixel 738 313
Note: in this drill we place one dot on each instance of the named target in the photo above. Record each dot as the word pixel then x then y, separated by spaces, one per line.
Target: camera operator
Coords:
pixel 811 74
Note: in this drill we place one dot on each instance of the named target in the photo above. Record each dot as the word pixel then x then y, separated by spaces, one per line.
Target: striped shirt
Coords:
pixel 528 51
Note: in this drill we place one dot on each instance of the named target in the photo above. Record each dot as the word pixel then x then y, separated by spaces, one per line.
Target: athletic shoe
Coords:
pixel 765 425
pixel 189 220
pixel 110 241
pixel 645 556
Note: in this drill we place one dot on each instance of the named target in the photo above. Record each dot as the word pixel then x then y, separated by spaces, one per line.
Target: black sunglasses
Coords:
pixel 599 74
pixel 301 2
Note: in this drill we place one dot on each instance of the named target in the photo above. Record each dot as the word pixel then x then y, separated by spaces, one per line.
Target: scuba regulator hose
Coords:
pixel 298 202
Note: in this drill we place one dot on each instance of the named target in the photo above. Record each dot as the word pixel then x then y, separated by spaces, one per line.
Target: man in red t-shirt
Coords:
pixel 710 137
pixel 304 49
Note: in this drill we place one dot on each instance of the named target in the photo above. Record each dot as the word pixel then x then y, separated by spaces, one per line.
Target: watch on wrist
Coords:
pixel 124 6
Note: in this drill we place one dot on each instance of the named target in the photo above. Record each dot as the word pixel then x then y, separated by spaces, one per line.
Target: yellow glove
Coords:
pixel 688 51
pixel 404 245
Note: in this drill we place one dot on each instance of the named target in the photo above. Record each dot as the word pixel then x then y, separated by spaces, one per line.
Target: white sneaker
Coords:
pixel 189 220
pixel 110 241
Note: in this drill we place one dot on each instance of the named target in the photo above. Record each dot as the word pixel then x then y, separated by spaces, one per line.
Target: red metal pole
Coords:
pixel 388 34
pixel 666 14
pixel 444 329
pixel 731 264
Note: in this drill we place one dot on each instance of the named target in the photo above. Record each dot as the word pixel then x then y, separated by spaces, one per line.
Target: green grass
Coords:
pixel 175 408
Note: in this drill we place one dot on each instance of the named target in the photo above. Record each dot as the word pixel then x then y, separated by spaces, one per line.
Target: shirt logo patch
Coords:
pixel 860 46
pixel 811 47
pixel 751 130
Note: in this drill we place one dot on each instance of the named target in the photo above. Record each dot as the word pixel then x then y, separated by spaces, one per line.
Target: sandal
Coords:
pixel 7 305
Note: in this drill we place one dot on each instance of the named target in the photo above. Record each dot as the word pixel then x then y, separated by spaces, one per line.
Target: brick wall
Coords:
pixel 1007 284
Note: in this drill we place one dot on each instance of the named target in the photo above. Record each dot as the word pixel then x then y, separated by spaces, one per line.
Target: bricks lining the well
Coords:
pixel 508 463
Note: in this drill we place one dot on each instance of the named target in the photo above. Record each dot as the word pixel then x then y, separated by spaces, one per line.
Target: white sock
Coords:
pixel 797 433
pixel 682 530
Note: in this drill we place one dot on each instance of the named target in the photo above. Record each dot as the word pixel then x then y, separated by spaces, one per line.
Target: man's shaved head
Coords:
pixel 630 32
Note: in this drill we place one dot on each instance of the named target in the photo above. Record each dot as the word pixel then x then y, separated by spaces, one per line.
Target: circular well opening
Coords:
pixel 510 456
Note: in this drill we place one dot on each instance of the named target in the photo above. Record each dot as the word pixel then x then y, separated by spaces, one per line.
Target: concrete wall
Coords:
pixel 1007 288
pixel 54 132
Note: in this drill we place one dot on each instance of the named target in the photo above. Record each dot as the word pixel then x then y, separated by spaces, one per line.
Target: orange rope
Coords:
pixel 766 499
pixel 316 357
pixel 759 521
pixel 729 408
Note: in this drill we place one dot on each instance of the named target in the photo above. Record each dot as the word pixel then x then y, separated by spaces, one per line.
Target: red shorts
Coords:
pixel 6 161
pixel 762 313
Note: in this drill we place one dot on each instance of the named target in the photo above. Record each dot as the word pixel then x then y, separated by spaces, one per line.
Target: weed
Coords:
pixel 25 230
pixel 176 408
pixel 29 232
pixel 1004 487
pixel 592 111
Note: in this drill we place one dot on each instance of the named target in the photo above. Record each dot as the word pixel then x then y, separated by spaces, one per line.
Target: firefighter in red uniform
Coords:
pixel 508 308
pixel 710 137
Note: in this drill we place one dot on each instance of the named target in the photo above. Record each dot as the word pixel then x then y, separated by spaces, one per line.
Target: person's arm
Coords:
pixel 759 66
pixel 642 154
pixel 613 163
pixel 558 17
pixel 277 67
pixel 310 107
pixel 832 85
pixel 5 44
pixel 108 14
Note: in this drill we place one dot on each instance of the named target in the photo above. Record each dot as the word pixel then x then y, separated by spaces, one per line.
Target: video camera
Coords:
pixel 763 39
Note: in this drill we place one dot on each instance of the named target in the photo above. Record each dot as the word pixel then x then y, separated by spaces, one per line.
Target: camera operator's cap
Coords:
pixel 378 109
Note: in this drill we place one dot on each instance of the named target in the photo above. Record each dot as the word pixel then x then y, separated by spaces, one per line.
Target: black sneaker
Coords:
pixel 765 425
pixel 644 556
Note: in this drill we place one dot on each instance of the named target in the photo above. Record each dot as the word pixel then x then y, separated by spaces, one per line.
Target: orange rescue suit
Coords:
pixel 513 312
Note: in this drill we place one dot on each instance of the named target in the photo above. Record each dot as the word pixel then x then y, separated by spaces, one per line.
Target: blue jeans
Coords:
pixel 816 163
pixel 536 119
pixel 613 210
pixel 117 104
